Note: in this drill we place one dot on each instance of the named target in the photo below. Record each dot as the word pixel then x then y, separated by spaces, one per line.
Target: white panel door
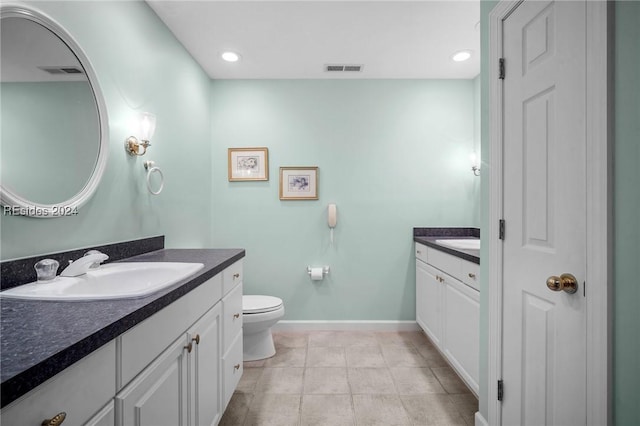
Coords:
pixel 205 363
pixel 429 285
pixel 158 396
pixel 544 331
pixel 461 332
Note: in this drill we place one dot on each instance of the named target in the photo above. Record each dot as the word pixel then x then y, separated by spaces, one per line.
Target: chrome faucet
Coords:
pixel 91 259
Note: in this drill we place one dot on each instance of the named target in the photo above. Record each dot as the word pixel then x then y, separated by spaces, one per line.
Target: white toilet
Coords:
pixel 259 314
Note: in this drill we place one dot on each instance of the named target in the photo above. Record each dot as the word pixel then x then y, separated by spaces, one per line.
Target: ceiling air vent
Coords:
pixel 343 68
pixel 62 70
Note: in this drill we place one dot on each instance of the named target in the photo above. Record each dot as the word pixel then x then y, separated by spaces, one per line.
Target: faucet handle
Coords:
pixel 46 269
pixel 95 264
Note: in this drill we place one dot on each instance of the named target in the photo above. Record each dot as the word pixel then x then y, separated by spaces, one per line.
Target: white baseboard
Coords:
pixel 346 325
pixel 479 420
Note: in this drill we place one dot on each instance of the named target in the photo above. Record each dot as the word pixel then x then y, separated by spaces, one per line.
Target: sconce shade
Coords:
pixel 147 126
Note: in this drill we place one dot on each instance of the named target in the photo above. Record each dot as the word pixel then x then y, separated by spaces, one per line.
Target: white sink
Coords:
pixel 112 281
pixel 463 244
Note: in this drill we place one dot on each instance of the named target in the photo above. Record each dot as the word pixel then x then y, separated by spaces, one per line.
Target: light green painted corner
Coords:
pixel 391 154
pixel 140 67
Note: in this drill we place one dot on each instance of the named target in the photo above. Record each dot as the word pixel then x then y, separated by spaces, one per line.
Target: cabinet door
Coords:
pixel 205 405
pixel 232 368
pixel 429 301
pixel 158 396
pixel 461 330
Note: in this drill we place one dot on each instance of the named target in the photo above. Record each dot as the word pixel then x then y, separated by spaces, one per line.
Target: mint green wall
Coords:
pixel 626 314
pixel 140 67
pixel 485 8
pixel 392 154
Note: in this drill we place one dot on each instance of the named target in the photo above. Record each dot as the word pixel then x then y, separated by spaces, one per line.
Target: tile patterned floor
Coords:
pixel 335 378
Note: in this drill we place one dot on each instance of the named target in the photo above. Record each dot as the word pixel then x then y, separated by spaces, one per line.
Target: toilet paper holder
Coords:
pixel 325 270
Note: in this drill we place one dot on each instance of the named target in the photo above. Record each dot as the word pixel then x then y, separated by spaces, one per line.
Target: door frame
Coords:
pixel 599 210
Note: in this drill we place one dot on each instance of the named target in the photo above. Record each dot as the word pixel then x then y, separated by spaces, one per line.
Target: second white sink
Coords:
pixel 462 243
pixel 112 281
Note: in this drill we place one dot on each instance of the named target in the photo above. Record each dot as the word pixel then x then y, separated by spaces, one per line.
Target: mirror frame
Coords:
pixel 68 207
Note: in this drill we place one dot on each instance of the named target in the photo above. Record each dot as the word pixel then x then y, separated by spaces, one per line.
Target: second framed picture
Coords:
pixel 298 183
pixel 248 164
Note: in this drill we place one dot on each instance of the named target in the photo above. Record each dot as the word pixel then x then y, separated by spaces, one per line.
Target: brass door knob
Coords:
pixel 55 420
pixel 196 339
pixel 565 282
pixel 189 347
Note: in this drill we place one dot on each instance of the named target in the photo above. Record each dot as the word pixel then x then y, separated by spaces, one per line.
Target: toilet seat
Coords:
pixel 257 304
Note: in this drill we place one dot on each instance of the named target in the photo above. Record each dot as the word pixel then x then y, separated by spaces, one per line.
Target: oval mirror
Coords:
pixel 54 139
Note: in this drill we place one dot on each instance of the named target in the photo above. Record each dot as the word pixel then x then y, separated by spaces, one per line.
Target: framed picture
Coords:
pixel 248 164
pixel 298 183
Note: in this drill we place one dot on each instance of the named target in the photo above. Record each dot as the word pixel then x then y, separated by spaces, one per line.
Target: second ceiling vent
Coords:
pixel 343 68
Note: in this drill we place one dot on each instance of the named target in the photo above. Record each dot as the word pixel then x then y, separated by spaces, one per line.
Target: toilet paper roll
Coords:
pixel 316 274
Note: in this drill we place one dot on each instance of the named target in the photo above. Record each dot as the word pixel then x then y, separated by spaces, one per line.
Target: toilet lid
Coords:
pixel 255 304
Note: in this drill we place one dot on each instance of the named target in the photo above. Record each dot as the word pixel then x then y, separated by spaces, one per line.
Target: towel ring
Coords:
pixel 151 167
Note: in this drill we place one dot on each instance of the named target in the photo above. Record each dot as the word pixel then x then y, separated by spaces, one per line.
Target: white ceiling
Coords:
pixel 296 39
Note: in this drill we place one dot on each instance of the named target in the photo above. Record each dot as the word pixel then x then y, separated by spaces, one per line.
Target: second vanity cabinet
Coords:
pixel 448 308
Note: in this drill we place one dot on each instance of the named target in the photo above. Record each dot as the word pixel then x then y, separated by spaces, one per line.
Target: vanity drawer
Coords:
pixel 232 368
pixel 471 274
pixel 421 252
pixel 231 277
pixel 80 390
pixel 144 342
pixel 446 262
pixel 232 315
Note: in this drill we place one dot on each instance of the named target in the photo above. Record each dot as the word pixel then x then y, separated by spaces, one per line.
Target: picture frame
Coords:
pixel 248 164
pixel 299 183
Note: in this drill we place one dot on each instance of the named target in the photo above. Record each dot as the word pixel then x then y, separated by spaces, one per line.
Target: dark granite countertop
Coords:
pixel 428 237
pixel 41 338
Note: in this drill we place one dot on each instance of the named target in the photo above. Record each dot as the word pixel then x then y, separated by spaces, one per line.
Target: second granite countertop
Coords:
pixel 39 339
pixel 429 236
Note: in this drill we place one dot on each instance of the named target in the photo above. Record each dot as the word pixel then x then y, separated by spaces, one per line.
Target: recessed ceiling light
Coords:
pixel 230 56
pixel 462 55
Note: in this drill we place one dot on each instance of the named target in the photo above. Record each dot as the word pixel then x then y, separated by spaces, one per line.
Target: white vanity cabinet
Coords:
pixel 448 308
pixel 178 367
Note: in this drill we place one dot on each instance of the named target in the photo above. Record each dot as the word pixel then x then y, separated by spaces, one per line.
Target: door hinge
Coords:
pixel 500 390
pixel 501 68
pixel 501 226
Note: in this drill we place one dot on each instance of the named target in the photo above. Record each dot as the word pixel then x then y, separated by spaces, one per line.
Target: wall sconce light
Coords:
pixel 475 163
pixel 146 128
